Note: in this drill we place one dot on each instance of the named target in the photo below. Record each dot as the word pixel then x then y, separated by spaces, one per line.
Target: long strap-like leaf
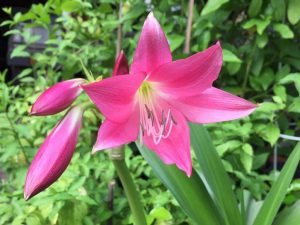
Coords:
pixel 278 190
pixel 289 216
pixel 215 175
pixel 190 193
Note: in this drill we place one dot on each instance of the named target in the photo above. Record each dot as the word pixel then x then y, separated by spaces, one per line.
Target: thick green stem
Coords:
pixel 117 156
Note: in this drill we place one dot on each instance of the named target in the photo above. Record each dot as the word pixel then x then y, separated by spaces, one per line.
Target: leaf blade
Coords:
pixel 193 201
pixel 278 191
pixel 215 174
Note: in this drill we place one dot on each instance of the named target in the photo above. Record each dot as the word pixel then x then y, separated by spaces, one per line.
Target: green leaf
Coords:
pixel 261 25
pixel 212 5
pixel 254 8
pixel 24 73
pixel 289 216
pixel 71 6
pixel 260 159
pixel 279 8
pixel 292 77
pixel 10 32
pixel 247 157
pixel 229 56
pixel 251 207
pixel 5 95
pixel 215 174
pixel 257 65
pixel 72 213
pixel 293 11
pixel 87 73
pixel 284 30
pixel 228 146
pixel 278 191
pixel 175 41
pixel 6 23
pixel 7 10
pixel 280 91
pixel 295 106
pixel 134 12
pixel 233 68
pixel 269 132
pixel 190 193
pixel 160 214
pixel 262 40
pixel 19 51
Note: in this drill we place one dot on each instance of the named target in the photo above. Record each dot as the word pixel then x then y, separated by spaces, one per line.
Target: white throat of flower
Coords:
pixel 154 121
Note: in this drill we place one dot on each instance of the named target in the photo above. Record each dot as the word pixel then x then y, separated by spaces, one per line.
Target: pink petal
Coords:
pixel 121 65
pixel 54 155
pixel 190 76
pixel 115 96
pixel 57 98
pixel 153 49
pixel 111 135
pixel 174 149
pixel 213 105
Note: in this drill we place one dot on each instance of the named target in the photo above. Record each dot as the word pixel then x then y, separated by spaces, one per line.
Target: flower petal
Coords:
pixel 213 105
pixel 121 65
pixel 190 76
pixel 54 155
pixel 153 49
pixel 174 149
pixel 111 135
pixel 115 96
pixel 57 98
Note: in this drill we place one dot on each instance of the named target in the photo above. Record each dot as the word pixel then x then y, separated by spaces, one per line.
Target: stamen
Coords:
pixel 174 121
pixel 151 126
pixel 150 123
pixel 148 111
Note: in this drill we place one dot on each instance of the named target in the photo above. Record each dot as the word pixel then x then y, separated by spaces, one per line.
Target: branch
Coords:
pixel 188 30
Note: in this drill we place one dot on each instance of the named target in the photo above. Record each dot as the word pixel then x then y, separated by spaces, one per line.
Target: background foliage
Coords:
pixel 261 51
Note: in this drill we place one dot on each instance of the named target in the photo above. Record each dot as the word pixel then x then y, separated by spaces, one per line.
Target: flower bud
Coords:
pixel 55 153
pixel 57 98
pixel 121 65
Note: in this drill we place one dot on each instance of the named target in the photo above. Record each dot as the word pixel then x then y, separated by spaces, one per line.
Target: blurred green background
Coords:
pixel 261 52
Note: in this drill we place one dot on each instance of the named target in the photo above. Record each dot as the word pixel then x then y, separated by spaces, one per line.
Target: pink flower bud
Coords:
pixel 57 98
pixel 121 65
pixel 55 153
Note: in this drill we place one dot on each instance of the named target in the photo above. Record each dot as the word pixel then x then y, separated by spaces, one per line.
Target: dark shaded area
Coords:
pixel 17 6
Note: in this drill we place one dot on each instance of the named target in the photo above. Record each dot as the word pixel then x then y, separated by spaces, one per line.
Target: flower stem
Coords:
pixel 117 156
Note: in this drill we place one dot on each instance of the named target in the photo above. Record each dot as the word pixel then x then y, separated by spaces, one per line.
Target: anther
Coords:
pixel 172 118
pixel 142 129
pixel 148 111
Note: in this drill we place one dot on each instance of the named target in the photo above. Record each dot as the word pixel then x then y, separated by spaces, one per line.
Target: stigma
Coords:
pixel 156 120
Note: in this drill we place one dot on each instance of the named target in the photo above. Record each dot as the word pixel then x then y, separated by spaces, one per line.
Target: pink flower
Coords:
pixel 159 96
pixel 57 98
pixel 55 154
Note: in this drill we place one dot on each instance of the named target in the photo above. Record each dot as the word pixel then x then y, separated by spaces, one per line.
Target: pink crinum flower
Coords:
pixel 159 96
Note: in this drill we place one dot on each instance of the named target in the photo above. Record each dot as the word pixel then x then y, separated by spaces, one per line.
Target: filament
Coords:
pixel 150 123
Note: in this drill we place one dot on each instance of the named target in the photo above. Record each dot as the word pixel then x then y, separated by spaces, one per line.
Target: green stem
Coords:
pixel 117 156
pixel 248 67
